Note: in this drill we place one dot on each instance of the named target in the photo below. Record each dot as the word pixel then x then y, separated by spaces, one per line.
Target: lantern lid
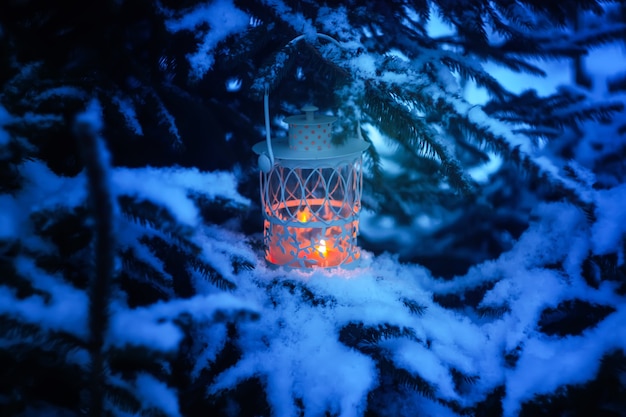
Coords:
pixel 282 150
pixel 309 117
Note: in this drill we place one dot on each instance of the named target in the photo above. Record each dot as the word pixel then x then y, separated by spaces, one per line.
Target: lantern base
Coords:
pixel 347 266
pixel 303 246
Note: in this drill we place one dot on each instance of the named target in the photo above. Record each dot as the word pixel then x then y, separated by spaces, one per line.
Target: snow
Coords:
pixel 45 190
pixel 152 392
pixel 608 232
pixel 435 26
pixel 169 121
pixel 301 335
pixel 421 360
pixel 60 92
pixel 64 310
pixel 482 173
pixel 169 187
pixel 299 23
pixel 8 227
pixel 233 84
pixel 293 347
pixel 572 360
pixel 335 20
pixel 223 18
pixel 314 366
pixel 92 116
pixel 5 118
pixel 127 109
pixel 559 73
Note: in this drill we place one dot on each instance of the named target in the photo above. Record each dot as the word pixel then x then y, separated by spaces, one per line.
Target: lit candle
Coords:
pixel 322 248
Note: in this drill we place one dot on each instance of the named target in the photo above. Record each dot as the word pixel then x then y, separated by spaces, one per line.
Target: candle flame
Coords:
pixel 322 247
pixel 303 216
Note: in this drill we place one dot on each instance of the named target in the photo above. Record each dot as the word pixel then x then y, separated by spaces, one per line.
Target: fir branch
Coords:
pixel 281 62
pixel 15 332
pixel 414 307
pixel 414 133
pixel 538 134
pixel 538 46
pixel 459 378
pixel 143 283
pixel 553 12
pixel 130 261
pixel 11 328
pixel 32 377
pixel 615 362
pixel 601 36
pixel 211 274
pixel 216 210
pixel 363 337
pixel 154 412
pixel 22 286
pixel 396 122
pixel 603 395
pixel 68 231
pixel 241 264
pixel 324 64
pixel 249 43
pixel 402 377
pixel 128 361
pixel 493 311
pixel 517 64
pixel 472 26
pixel 479 134
pixel 572 317
pixel 617 82
pixel 273 71
pixel 479 76
pixel 306 295
pixel 174 255
pixel 515 14
pixel 122 398
pixel 151 215
pixel 499 26
pixel 598 268
pixel 529 106
pixel 597 113
pixel 373 160
pixel 422 8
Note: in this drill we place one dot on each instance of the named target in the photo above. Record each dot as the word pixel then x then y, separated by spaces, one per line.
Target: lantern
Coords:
pixel 310 193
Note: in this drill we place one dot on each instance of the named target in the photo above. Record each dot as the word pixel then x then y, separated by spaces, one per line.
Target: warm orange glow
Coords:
pixel 303 215
pixel 315 246
pixel 329 249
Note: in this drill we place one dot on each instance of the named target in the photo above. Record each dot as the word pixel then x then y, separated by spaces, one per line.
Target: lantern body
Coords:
pixel 311 197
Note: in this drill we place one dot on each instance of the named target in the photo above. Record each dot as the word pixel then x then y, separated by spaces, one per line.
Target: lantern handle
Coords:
pixel 266 161
pixel 318 35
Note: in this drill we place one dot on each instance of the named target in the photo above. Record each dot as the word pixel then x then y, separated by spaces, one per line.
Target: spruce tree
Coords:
pixel 127 288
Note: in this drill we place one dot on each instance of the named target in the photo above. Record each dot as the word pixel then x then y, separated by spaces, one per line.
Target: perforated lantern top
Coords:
pixel 308 133
pixel 310 139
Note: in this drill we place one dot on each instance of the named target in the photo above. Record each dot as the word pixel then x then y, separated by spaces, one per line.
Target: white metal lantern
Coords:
pixel 311 193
